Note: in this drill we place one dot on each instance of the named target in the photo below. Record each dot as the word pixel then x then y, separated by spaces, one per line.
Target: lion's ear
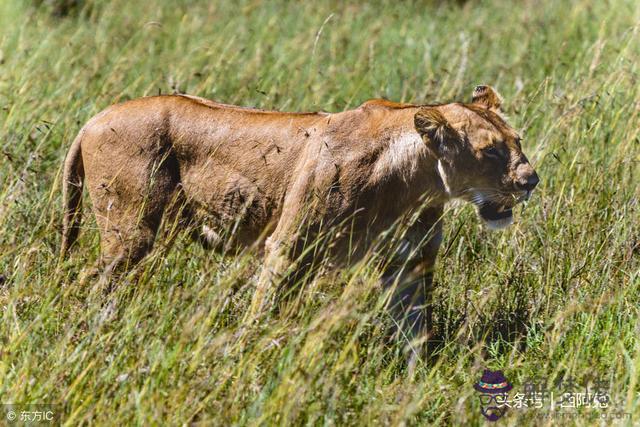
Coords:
pixel 487 97
pixel 434 128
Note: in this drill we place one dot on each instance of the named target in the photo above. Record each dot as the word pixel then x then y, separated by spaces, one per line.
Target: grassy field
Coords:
pixel 555 295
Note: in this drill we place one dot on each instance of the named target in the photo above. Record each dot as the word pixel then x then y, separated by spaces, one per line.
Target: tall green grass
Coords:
pixel 556 294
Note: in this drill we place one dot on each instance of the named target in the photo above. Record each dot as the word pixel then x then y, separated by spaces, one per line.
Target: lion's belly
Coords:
pixel 229 206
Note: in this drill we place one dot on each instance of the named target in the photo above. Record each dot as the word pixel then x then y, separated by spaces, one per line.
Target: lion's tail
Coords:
pixel 72 179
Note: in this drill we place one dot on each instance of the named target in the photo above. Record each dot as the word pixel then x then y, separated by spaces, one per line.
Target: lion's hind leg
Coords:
pixel 129 215
pixel 125 241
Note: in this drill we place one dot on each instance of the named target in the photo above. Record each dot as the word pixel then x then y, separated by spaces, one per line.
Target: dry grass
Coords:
pixel 556 294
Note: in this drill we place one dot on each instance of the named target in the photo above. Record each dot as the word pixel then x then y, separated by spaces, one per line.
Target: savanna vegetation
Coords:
pixel 556 295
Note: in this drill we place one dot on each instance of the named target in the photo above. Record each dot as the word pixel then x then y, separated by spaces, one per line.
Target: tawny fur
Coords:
pixel 244 174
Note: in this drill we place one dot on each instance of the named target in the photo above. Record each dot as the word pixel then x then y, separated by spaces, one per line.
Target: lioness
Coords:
pixel 244 174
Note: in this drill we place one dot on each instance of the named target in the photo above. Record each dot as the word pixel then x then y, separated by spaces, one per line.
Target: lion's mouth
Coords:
pixel 497 212
pixel 490 211
pixel 495 215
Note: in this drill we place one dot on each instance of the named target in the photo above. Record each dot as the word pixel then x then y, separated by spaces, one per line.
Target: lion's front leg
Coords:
pixel 278 247
pixel 276 263
pixel 410 276
pixel 411 302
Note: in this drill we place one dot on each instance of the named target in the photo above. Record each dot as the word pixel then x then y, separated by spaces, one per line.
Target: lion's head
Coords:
pixel 480 158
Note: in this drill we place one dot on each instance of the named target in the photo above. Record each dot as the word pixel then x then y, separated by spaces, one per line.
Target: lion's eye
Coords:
pixel 493 152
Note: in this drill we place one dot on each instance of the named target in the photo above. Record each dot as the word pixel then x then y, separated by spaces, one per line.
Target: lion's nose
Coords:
pixel 530 183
